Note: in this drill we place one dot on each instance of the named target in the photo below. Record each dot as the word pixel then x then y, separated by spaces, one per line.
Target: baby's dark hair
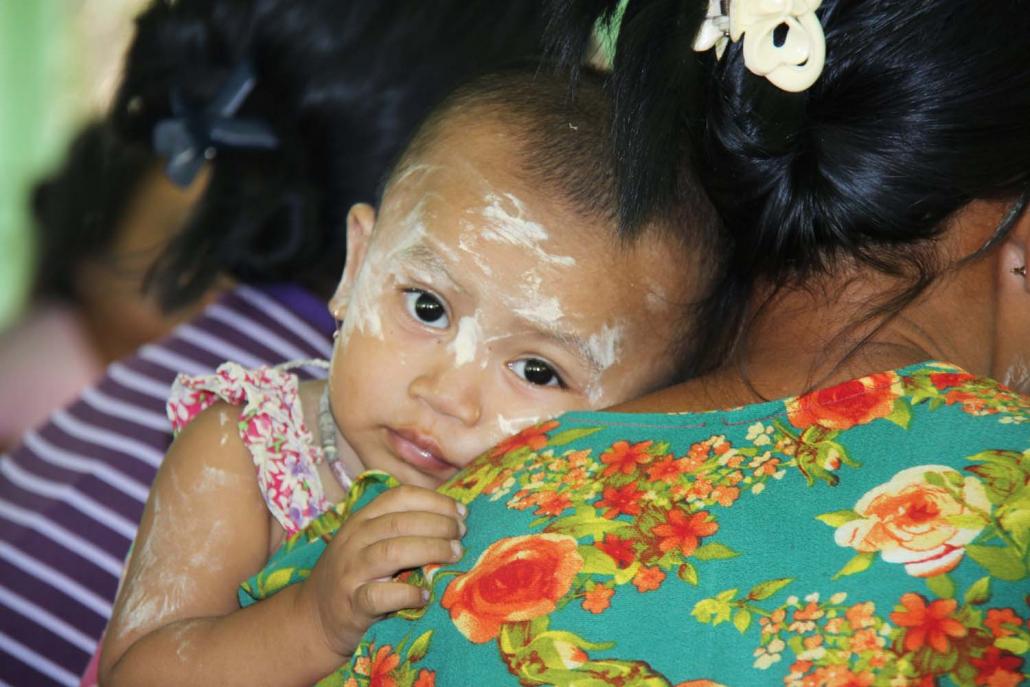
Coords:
pixel 563 139
pixel 921 108
pixel 563 149
pixel 561 142
pixel 341 83
pixel 80 208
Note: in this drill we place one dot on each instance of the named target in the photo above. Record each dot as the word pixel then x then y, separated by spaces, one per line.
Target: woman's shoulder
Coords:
pixel 874 402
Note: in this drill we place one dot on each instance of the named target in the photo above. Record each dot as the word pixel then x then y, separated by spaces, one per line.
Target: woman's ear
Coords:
pixel 1012 318
pixel 360 221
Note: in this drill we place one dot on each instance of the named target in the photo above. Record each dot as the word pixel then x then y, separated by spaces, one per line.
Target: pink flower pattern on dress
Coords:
pixel 271 425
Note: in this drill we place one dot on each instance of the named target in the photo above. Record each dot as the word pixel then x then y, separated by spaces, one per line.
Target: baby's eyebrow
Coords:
pixel 570 341
pixel 424 257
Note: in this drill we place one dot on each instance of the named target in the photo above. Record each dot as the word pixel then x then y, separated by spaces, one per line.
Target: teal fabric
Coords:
pixel 873 533
pixel 292 562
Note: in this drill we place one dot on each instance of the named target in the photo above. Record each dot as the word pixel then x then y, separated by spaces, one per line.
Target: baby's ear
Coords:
pixel 360 221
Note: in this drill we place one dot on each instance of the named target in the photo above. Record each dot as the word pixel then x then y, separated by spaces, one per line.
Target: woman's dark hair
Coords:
pixel 921 108
pixel 341 83
pixel 80 208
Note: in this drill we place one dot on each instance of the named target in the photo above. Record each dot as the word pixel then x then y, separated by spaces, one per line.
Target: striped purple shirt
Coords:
pixel 72 493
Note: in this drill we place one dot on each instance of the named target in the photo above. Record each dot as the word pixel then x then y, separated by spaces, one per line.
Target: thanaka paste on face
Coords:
pixel 408 248
pixel 377 271
pixel 514 228
pixel 465 344
pixel 510 426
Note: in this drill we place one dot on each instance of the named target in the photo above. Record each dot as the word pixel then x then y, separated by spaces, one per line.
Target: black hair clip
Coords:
pixel 193 135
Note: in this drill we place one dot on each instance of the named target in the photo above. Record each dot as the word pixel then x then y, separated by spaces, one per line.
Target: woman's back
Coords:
pixel 869 533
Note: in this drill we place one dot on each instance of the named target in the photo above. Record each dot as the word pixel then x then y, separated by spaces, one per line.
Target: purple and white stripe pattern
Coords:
pixel 72 493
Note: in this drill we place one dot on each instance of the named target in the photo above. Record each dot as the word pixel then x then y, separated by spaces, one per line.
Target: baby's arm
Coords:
pixel 206 528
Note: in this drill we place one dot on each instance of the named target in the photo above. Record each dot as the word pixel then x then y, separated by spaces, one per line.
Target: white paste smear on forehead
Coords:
pixel 465 343
pixel 545 311
pixel 512 227
pixel 467 243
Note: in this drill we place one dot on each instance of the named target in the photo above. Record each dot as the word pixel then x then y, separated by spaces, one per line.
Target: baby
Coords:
pixel 490 290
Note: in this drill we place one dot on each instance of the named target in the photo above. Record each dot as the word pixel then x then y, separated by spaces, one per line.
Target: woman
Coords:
pixel 320 96
pixel 870 526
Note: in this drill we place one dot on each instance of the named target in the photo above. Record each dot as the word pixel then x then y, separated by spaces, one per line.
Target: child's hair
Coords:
pixel 340 83
pixel 561 142
pixel 80 208
pixel 921 108
pixel 563 149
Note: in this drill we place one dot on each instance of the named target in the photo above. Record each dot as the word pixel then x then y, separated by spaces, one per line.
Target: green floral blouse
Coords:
pixel 872 533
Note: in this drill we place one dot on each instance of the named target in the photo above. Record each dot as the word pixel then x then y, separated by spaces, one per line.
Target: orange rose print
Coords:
pixel 908 520
pixel 846 405
pixel 516 579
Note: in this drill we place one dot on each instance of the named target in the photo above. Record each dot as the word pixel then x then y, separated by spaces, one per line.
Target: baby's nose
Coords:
pixel 450 391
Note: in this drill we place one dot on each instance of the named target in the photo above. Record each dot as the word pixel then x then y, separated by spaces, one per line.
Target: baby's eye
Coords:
pixel 536 371
pixel 426 308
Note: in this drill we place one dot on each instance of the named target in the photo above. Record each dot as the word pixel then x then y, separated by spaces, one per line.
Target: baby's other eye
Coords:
pixel 426 308
pixel 536 371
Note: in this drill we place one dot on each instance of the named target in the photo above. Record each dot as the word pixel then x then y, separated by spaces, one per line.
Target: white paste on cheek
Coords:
pixel 376 274
pixel 514 425
pixel 465 343
pixel 513 228
pixel 604 346
pixel 1017 376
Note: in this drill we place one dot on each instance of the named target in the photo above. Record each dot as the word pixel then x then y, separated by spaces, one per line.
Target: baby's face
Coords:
pixel 475 309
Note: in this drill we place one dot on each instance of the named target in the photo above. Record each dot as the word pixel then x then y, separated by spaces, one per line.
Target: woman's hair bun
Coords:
pixel 341 83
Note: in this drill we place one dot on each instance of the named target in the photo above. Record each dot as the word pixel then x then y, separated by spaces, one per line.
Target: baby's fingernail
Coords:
pixel 461 528
pixel 462 510
pixel 425 595
pixel 456 548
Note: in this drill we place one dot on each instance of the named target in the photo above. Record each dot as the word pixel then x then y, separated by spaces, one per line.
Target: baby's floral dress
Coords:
pixel 875 533
pixel 271 424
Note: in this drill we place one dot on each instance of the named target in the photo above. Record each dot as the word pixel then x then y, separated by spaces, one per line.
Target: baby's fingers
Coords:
pixel 411 498
pixel 387 557
pixel 408 524
pixel 374 599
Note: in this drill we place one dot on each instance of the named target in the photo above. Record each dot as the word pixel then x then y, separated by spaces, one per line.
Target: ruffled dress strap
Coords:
pixel 271 425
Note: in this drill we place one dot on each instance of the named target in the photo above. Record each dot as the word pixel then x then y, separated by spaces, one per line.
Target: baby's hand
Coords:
pixel 351 587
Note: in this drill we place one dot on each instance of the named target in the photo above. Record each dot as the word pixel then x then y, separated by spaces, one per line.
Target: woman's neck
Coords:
pixel 804 339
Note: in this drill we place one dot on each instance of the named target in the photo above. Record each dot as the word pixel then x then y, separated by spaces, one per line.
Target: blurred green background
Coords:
pixel 58 66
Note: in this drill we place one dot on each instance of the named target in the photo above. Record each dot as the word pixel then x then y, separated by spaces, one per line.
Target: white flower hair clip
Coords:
pixel 793 63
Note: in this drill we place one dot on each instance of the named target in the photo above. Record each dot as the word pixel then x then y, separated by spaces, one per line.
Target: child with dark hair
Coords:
pixel 101 219
pixel 489 291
